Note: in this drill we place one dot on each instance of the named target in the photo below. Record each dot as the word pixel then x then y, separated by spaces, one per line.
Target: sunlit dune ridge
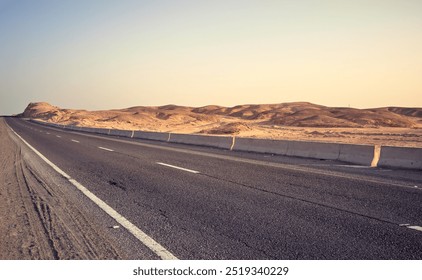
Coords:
pixel 298 120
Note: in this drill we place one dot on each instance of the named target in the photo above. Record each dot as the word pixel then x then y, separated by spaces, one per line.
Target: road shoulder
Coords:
pixel 38 219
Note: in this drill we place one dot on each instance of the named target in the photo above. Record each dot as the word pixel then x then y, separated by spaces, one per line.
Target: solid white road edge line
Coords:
pixel 76 141
pixel 102 148
pixel 177 167
pixel 134 230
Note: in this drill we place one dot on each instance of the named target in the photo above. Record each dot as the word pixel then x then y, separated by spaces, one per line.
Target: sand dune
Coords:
pixel 298 120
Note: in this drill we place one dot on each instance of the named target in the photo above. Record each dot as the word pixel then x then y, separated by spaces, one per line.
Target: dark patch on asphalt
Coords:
pixel 116 184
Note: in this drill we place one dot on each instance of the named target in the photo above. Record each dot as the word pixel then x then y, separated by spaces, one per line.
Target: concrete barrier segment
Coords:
pixel 159 136
pixel 222 142
pixel 267 146
pixel 357 154
pixel 401 157
pixel 119 132
pixel 313 150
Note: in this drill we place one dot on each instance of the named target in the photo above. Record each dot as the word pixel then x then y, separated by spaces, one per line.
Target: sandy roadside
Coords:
pixel 37 221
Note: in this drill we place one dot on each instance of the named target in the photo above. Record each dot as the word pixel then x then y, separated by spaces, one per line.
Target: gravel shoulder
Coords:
pixel 38 219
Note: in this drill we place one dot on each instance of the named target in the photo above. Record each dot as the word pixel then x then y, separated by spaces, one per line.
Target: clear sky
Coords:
pixel 115 54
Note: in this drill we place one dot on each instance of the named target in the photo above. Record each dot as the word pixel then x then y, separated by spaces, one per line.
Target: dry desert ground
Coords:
pixel 393 126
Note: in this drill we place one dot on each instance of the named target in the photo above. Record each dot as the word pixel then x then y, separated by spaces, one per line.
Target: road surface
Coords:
pixel 205 203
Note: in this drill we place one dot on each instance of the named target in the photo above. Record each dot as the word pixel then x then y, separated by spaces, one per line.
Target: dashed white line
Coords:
pixel 76 141
pixel 419 228
pixel 154 246
pixel 58 136
pixel 177 167
pixel 106 149
pixel 47 132
pixel 415 227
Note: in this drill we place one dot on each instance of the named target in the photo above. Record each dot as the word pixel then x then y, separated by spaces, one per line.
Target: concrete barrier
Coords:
pixel 159 136
pixel 102 131
pixel 122 133
pixel 87 129
pixel 313 150
pixel 401 157
pixel 40 122
pixel 267 146
pixel 288 148
pixel 222 142
pixel 358 154
pixel 76 128
pixel 385 156
pixel 50 124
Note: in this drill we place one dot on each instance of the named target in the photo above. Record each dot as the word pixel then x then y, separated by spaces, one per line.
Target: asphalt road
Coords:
pixel 204 203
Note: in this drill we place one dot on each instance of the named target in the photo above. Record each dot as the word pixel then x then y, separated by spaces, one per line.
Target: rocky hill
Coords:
pixel 226 120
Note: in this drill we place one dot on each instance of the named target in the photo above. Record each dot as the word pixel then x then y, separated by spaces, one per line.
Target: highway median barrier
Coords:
pixel 318 150
pixel 40 122
pixel 357 154
pixel 121 133
pixel 367 155
pixel 267 146
pixel 288 148
pixel 76 128
pixel 101 130
pixel 401 157
pixel 87 129
pixel 222 142
pixel 158 136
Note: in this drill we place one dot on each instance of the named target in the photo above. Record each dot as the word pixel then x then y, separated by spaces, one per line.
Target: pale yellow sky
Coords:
pixel 101 54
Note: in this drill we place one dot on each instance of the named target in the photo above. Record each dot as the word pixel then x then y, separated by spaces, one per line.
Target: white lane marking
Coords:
pixel 102 148
pixel 177 167
pixel 153 245
pixel 415 227
pixel 352 166
pixel 76 141
pixel 48 133
pixel 58 136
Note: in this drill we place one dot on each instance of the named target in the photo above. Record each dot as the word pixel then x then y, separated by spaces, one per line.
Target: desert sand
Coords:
pixel 40 218
pixel 393 126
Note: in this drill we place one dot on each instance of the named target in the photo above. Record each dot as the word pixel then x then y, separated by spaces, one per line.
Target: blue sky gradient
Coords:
pixel 116 54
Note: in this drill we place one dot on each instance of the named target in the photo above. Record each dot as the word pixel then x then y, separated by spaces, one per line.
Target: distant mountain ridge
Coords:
pixel 208 119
